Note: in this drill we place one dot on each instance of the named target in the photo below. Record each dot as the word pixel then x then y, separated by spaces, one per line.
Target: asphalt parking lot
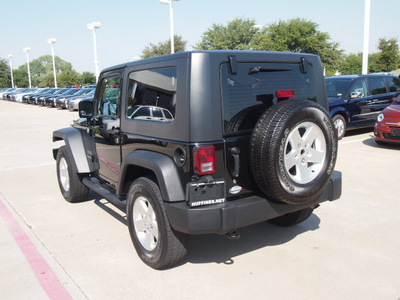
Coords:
pixel 348 249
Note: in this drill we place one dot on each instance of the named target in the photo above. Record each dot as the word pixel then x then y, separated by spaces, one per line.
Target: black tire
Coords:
pixel 245 119
pixel 340 124
pixel 70 184
pixel 157 244
pixel 292 218
pixel 293 151
pixel 379 142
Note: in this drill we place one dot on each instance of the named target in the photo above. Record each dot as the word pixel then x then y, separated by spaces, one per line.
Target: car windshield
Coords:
pixel 397 101
pixel 336 87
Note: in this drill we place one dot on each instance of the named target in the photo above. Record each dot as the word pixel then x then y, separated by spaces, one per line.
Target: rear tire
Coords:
pixel 292 218
pixel 70 184
pixel 157 244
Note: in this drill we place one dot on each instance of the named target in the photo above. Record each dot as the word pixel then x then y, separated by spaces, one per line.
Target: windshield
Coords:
pixel 336 87
pixel 397 101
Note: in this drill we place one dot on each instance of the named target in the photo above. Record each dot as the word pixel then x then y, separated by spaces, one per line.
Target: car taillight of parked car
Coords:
pixel 204 160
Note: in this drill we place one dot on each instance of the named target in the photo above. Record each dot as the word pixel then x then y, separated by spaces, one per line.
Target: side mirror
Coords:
pixel 355 95
pixel 85 109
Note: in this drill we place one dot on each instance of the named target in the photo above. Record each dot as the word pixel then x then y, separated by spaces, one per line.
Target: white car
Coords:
pixel 152 113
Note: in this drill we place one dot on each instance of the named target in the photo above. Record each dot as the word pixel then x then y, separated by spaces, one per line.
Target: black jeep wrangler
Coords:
pixel 203 142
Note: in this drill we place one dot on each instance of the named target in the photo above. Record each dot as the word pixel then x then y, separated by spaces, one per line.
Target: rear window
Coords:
pixel 254 88
pixel 393 84
pixel 377 86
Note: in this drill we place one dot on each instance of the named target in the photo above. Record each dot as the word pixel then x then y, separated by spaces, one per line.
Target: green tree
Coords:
pixel 41 70
pixel 47 80
pixel 5 76
pixel 351 64
pixel 388 58
pixel 87 78
pixel 237 35
pixel 300 35
pixel 163 48
pixel 67 78
pixel 21 76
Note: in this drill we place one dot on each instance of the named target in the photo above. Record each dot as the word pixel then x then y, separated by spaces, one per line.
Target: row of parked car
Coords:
pixel 66 98
pixel 355 101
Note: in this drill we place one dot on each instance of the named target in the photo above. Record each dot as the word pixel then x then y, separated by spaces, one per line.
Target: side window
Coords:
pixel 393 84
pixel 359 89
pixel 377 86
pixel 108 103
pixel 149 91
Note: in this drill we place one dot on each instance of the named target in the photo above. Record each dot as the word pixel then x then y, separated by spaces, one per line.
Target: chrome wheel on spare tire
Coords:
pixel 293 151
pixel 305 152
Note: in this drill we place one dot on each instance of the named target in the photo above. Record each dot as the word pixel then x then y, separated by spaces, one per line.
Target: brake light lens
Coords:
pixel 285 94
pixel 204 160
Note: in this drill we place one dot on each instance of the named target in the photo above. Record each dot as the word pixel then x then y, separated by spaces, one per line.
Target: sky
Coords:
pixel 128 26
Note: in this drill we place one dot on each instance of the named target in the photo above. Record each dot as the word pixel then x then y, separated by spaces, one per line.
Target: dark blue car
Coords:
pixel 356 100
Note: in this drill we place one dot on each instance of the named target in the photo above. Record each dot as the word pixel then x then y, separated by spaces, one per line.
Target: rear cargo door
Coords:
pixel 246 94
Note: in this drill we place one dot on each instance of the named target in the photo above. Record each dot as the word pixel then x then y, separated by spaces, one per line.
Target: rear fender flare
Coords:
pixel 162 166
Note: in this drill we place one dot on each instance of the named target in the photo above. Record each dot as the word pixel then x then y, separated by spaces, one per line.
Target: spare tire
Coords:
pixel 293 151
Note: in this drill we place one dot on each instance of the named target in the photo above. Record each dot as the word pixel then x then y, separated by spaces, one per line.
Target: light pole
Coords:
pixel 93 26
pixel 26 50
pixel 366 36
pixel 171 17
pixel 51 42
pixel 12 80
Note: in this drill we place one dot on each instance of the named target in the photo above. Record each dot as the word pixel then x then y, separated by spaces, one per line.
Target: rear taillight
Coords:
pixel 204 160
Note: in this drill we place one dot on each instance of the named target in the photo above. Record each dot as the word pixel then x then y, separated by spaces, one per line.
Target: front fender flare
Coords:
pixel 80 147
pixel 163 167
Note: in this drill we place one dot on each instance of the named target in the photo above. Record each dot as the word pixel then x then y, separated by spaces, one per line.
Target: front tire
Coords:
pixel 157 244
pixel 70 184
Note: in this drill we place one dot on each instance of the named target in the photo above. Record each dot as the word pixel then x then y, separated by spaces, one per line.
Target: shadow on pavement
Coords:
pixel 359 131
pixel 219 249
pixel 371 142
pixel 210 248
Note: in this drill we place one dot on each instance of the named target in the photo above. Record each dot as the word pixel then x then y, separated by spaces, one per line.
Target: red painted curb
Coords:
pixel 44 274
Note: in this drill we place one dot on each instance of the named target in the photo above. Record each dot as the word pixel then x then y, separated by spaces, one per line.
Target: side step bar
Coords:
pixel 96 187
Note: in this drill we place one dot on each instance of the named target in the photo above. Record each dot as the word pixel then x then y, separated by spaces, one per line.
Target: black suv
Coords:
pixel 355 101
pixel 203 142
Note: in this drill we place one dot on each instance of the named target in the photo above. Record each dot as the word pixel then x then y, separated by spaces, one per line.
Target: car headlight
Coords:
pixel 380 117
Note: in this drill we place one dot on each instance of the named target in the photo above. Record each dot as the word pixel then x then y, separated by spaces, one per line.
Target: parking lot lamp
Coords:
pixel 93 26
pixel 367 14
pixel 171 17
pixel 26 50
pixel 12 80
pixel 51 42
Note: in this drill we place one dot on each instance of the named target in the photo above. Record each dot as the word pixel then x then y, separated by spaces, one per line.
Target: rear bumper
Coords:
pixel 227 217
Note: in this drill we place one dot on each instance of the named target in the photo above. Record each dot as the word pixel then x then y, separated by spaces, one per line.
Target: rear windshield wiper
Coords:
pixel 266 69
